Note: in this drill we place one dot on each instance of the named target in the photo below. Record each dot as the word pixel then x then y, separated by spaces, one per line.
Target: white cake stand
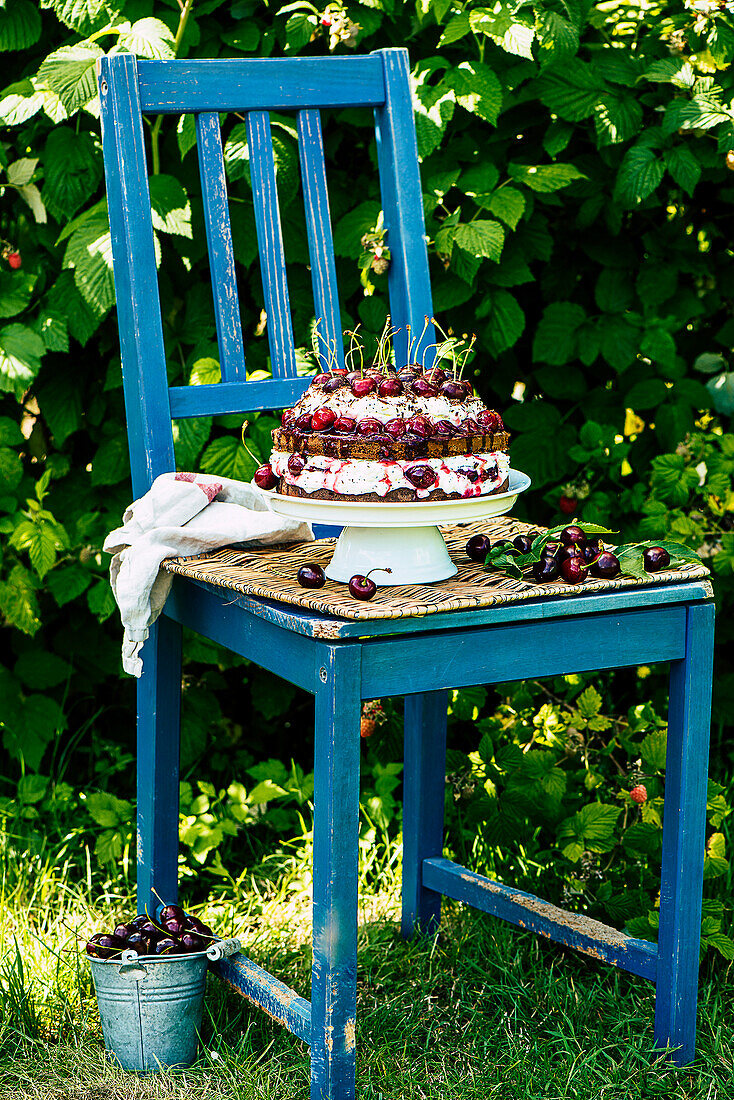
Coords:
pixel 402 537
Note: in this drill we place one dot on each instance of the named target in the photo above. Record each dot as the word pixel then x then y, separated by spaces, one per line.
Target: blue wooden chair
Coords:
pixel 339 662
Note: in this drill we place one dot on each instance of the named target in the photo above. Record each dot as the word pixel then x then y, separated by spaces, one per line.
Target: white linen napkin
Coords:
pixel 182 515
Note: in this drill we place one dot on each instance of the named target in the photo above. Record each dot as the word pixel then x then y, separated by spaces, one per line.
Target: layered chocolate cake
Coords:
pixel 381 435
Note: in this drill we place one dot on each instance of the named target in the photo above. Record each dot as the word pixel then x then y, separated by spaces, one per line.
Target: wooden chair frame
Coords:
pixel 342 663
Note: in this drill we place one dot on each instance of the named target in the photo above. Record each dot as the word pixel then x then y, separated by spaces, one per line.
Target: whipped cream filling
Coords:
pixel 468 475
pixel 343 403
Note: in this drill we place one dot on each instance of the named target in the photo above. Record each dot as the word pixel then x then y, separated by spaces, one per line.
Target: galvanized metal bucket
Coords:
pixel 151 1006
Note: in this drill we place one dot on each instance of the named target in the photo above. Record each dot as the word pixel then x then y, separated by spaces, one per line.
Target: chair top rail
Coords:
pixel 260 84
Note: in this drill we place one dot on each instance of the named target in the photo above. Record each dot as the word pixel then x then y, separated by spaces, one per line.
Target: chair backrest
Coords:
pixel 129 89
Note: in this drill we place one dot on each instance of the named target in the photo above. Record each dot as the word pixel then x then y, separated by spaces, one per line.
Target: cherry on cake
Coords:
pixel 395 436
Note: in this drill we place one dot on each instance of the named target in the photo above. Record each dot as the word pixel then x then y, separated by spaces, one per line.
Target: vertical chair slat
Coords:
pixel 221 251
pixel 270 241
pixel 318 222
pixel 402 203
pixel 136 279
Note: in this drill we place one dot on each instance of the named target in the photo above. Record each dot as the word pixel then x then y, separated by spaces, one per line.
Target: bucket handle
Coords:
pixel 222 949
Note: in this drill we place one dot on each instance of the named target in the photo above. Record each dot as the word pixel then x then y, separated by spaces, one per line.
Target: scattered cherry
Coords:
pixel 345 425
pixel 553 548
pixel 546 569
pixel 572 536
pixel 311 576
pixel 264 477
pixel 574 569
pixel 364 588
pixel 478 547
pixel 323 419
pixel 606 566
pixel 507 546
pixel 296 463
pixel 423 477
pixel 523 543
pixel 655 558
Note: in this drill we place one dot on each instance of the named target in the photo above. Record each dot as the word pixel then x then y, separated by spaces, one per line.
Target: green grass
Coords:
pixel 486 1012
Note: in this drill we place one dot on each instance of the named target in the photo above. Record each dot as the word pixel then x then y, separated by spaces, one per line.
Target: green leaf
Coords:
pixel 613 290
pixel 18 601
pixel 271 697
pixel 572 91
pixel 51 327
pixel 16 289
pixel 545 177
pixel 11 469
pixel 40 669
pixel 619 341
pixel 481 238
pixel 477 89
pixel 67 583
pixel 672 70
pixel 100 600
pixel 89 255
pixel 21 350
pixel 69 72
pixel 299 30
pixel 683 167
pixel 63 299
pixel 722 943
pixel 110 464
pixel 41 539
pixel 434 109
pixel 350 229
pixel 61 406
pixel 555 337
pixel 205 372
pixel 505 321
pixel 646 395
pixel 658 345
pixel 653 749
pixel 189 436
pixel 508 204
pixel 456 28
pixel 20 25
pixel 617 118
pixel 10 433
pixel 568 384
pixel 32 788
pixel 84 16
pixel 170 206
pixel 186 134
pixel 593 827
pixel 558 39
pixel 72 166
pixel 148 38
pixel 589 702
pixel 639 174
pixel 107 810
pixel 227 456
pixel 244 37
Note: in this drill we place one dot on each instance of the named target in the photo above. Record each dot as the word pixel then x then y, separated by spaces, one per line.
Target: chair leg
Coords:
pixel 159 711
pixel 424 780
pixel 335 877
pixel 684 826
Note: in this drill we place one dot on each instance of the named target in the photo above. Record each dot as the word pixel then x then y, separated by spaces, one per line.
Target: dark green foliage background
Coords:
pixel 578 201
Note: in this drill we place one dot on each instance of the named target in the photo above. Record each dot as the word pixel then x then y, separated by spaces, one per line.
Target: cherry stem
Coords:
pixel 377 569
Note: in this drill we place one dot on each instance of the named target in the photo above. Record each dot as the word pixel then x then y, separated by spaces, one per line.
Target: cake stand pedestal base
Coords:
pixel 416 555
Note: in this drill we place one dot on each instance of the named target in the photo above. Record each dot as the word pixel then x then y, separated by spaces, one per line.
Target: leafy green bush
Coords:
pixel 576 168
